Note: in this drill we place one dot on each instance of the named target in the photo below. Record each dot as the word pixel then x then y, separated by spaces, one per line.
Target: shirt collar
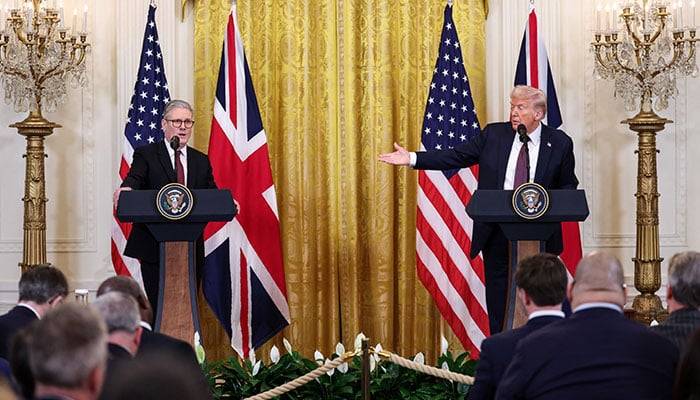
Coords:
pixel 546 313
pixel 587 306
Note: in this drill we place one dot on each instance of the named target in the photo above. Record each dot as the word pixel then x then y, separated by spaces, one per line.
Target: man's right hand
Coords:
pixel 399 157
pixel 115 196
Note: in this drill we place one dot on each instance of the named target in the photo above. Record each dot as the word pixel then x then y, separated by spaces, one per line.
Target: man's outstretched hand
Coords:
pixel 399 157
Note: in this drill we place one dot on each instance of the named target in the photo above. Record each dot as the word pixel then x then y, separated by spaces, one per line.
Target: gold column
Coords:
pixel 647 261
pixel 35 128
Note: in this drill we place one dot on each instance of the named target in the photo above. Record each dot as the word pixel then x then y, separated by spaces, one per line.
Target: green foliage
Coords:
pixel 235 379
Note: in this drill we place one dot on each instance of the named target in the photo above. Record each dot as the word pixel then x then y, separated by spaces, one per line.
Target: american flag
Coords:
pixel 533 70
pixel 443 236
pixel 143 126
pixel 243 271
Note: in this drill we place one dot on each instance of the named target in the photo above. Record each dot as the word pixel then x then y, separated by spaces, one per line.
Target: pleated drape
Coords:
pixel 338 81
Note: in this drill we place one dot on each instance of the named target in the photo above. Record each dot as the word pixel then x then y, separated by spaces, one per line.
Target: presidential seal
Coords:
pixel 530 200
pixel 174 201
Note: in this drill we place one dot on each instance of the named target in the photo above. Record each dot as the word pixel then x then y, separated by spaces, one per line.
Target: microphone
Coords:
pixel 175 142
pixel 522 132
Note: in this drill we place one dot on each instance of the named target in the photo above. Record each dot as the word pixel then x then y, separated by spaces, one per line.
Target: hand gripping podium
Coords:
pixel 527 236
pixel 177 314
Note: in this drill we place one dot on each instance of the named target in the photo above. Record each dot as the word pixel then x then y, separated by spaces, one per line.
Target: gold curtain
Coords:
pixel 338 81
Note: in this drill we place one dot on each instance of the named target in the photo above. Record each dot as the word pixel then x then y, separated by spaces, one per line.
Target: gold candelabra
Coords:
pixel 644 58
pixel 37 55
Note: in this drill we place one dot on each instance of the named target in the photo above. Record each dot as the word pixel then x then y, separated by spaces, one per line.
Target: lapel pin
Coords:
pixel 549 144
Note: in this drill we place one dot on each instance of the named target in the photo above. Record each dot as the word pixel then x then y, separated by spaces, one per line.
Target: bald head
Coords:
pixel 129 286
pixel 599 278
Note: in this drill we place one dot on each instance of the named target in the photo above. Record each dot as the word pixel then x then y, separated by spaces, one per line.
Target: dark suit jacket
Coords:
pixel 679 326
pixel 491 149
pixel 497 352
pixel 155 344
pixel 151 169
pixel 10 323
pixel 594 354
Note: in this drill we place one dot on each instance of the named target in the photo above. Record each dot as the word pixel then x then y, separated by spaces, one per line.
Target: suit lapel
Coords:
pixel 166 163
pixel 504 146
pixel 545 153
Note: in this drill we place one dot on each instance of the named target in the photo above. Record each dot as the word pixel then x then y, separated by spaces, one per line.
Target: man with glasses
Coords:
pixel 155 165
pixel 40 289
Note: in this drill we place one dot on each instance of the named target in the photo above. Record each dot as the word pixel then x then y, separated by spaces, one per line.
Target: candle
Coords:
pixel 60 15
pixel 598 17
pixel 607 17
pixel 75 20
pixel 692 14
pixel 680 13
pixel 614 15
pixel 85 18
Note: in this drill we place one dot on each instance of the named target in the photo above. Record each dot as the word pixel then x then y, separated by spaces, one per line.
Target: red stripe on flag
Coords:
pixel 231 65
pixel 532 40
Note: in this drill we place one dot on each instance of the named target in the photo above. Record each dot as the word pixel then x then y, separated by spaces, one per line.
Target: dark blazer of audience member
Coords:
pixel 68 353
pixel 40 288
pixel 19 361
pixel 687 385
pixel 683 298
pixel 541 285
pixel 596 353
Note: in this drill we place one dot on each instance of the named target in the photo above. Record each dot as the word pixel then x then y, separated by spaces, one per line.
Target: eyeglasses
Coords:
pixel 176 123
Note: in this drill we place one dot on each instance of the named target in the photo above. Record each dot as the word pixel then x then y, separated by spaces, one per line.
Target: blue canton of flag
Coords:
pixel 150 92
pixel 450 117
pixel 143 126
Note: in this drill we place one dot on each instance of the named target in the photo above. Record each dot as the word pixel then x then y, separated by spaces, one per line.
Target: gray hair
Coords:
pixel 173 104
pixel 119 311
pixel 67 345
pixel 684 278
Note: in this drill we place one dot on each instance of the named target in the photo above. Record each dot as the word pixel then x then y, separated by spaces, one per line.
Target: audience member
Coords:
pixel 68 353
pixel 154 377
pixel 120 314
pixel 597 352
pixel 40 288
pixel 687 385
pixel 683 298
pixel 541 283
pixel 155 344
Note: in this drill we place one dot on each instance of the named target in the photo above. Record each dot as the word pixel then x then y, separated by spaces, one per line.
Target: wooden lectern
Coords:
pixel 177 313
pixel 527 236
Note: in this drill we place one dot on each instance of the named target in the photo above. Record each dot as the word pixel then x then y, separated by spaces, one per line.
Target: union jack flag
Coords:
pixel 142 127
pixel 443 236
pixel 243 278
pixel 533 70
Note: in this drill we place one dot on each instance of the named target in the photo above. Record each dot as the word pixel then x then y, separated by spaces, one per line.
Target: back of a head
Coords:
pixel 67 345
pixel 599 277
pixel 125 284
pixel 119 311
pixel 543 277
pixel 684 278
pixel 41 284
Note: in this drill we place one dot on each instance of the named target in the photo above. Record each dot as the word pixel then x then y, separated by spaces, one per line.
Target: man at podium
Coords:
pixel 505 152
pixel 155 165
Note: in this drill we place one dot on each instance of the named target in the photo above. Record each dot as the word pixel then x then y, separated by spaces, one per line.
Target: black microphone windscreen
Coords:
pixel 175 142
pixel 522 132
